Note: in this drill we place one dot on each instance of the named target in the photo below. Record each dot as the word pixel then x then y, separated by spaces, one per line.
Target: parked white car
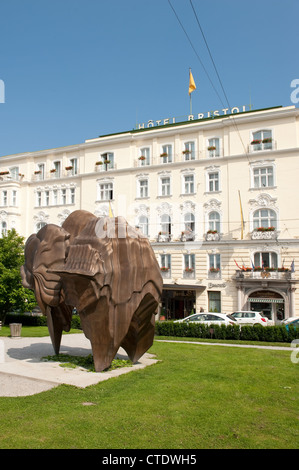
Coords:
pixel 288 320
pixel 209 318
pixel 249 317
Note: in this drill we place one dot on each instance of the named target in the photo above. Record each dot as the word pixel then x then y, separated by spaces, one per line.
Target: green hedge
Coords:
pixel 250 333
pixel 37 320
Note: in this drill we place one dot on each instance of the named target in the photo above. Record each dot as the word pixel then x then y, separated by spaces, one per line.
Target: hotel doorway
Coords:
pixel 270 303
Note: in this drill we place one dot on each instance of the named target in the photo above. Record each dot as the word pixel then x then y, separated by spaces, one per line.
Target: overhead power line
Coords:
pixel 188 37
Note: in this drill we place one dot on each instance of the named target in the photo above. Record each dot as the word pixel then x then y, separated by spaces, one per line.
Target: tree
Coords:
pixel 13 296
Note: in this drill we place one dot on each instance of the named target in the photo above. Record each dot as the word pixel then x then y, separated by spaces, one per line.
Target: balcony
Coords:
pixel 214 273
pixel 212 236
pixel 187 236
pixel 163 237
pixel 189 273
pixel 214 152
pixel 266 274
pixel 166 273
pixel 104 166
pixel 262 145
pixel 262 233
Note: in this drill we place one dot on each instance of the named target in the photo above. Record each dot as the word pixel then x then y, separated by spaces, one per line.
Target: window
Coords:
pixel 165 186
pixel 263 177
pixel 214 266
pixel 166 154
pixel 55 197
pixel 3 229
pixel 106 191
pixel 166 224
pixel 189 151
pixel 14 173
pixel 143 224
pixel 47 196
pixel 265 260
pixel 165 261
pixel 4 198
pixel 144 157
pixel 39 198
pixel 74 165
pixel 14 198
pixel 262 140
pixel 57 168
pixel 143 188
pixel 213 182
pixel 63 196
pixel 264 218
pixel 214 147
pixel 189 222
pixel 108 160
pixel 40 172
pixel 40 225
pixel 214 221
pixel 214 301
pixel 188 184
pixel 72 195
pixel 214 261
pixel 189 266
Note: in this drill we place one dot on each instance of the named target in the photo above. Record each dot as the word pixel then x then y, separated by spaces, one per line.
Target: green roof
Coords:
pixel 181 123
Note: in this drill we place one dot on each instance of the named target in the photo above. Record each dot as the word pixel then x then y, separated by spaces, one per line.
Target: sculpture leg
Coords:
pixel 58 319
pixel 98 327
pixel 141 332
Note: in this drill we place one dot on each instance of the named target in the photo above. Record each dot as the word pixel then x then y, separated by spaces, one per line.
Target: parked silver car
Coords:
pixel 249 317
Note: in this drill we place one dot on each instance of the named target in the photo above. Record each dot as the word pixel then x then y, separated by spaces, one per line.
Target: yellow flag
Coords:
pixel 192 85
pixel 110 210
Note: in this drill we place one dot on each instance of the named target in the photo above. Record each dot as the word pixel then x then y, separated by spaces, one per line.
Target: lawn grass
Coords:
pixel 195 397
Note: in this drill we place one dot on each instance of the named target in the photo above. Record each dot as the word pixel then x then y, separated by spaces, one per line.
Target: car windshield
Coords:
pixel 231 317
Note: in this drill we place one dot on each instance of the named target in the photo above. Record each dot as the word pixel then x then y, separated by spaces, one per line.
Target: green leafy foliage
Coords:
pixel 13 296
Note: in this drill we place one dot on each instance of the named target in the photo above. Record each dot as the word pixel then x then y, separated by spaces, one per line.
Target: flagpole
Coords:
pixel 192 87
pixel 242 218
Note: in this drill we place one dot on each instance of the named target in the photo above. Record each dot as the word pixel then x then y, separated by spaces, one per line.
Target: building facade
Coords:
pixel 216 196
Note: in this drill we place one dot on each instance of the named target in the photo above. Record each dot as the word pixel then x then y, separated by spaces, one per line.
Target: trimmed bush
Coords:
pixel 273 334
pixel 37 320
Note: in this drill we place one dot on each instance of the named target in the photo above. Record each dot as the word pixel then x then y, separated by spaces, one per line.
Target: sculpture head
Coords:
pixel 43 251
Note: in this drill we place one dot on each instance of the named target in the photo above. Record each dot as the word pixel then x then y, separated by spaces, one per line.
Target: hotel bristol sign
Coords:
pixel 192 117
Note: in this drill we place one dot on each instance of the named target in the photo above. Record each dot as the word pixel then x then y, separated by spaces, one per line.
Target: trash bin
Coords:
pixel 15 329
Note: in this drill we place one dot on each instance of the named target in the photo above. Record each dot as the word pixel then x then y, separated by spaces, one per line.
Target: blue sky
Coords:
pixel 77 69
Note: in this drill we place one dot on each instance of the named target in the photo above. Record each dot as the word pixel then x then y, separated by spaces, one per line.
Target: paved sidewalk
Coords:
pixel 206 343
pixel 23 372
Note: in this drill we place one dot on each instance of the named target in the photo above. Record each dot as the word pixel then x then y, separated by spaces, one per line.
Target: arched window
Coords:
pixel 40 225
pixel 143 224
pixel 3 229
pixel 189 222
pixel 214 221
pixel 264 218
pixel 166 224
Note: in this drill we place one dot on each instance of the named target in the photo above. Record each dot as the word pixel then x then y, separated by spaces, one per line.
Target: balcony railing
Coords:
pixel 163 237
pixel 267 273
pixel 214 273
pixel 189 273
pixel 166 273
pixel 212 236
pixel 264 234
pixel 260 145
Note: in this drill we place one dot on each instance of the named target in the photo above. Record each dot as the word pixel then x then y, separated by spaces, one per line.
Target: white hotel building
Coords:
pixel 212 194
